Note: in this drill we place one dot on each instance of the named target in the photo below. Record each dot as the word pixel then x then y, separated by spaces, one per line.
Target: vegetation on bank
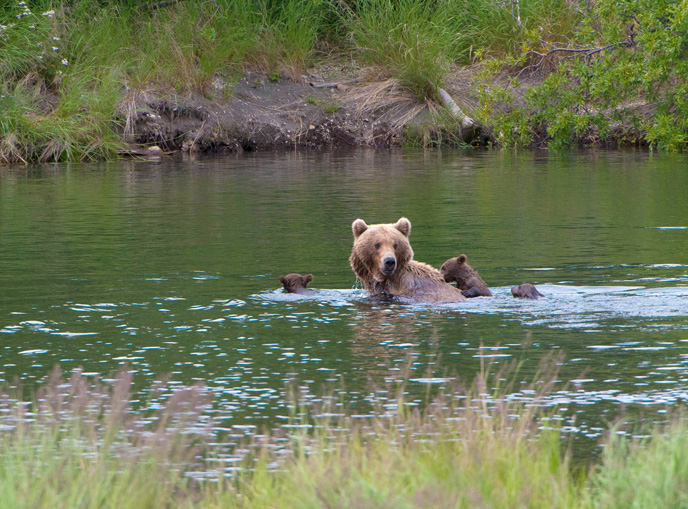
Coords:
pixel 81 443
pixel 558 73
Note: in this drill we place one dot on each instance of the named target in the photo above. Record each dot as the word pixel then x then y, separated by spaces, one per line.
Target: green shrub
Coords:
pixel 637 79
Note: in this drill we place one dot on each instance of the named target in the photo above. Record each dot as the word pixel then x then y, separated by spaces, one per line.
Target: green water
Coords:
pixel 172 267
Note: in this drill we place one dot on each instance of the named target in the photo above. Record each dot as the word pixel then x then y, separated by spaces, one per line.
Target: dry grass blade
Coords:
pixel 53 150
pixel 389 100
pixel 128 108
pixel 10 150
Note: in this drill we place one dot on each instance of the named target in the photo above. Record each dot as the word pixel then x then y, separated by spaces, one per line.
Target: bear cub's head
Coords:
pixel 293 282
pixel 380 250
pixel 456 270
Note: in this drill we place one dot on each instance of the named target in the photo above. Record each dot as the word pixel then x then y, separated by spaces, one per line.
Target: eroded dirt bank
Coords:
pixel 263 114
pixel 324 111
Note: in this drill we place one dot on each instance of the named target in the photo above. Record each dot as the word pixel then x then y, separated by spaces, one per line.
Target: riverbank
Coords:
pixel 331 107
pixel 323 111
pixel 334 107
pixel 241 75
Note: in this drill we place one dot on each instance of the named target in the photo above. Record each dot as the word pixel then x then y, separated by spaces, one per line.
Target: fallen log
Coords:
pixel 451 105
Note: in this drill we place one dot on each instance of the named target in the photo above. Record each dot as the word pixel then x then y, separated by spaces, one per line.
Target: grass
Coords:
pixel 415 41
pixel 506 30
pixel 67 70
pixel 89 443
pixel 80 445
pixel 67 66
pixel 648 472
pixel 327 106
pixel 465 449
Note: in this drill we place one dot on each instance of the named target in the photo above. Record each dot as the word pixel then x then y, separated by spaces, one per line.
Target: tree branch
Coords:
pixel 449 103
pixel 586 52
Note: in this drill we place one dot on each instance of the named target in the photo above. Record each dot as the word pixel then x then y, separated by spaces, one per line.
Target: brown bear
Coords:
pixel 525 291
pixel 382 258
pixel 296 283
pixel 466 277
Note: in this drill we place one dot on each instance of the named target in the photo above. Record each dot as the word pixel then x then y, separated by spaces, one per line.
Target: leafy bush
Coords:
pixel 633 75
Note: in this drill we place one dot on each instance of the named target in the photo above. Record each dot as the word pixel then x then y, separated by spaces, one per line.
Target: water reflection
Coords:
pixel 172 268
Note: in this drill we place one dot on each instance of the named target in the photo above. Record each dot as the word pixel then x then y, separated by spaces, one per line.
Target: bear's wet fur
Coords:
pixel 296 283
pixel 525 291
pixel 382 259
pixel 456 270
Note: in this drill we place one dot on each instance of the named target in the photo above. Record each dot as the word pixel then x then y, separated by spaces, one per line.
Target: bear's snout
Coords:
pixel 389 264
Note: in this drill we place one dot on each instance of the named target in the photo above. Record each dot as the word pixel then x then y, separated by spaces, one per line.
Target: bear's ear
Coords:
pixel 358 227
pixel 461 258
pixel 404 226
pixel 309 278
pixel 283 279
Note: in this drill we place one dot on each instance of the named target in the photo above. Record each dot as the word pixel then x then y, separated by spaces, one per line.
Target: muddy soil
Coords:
pixel 259 113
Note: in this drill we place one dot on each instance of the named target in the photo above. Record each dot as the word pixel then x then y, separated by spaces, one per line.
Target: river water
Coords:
pixel 172 266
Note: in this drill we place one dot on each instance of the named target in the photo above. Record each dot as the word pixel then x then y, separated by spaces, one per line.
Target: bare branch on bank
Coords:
pixel 575 52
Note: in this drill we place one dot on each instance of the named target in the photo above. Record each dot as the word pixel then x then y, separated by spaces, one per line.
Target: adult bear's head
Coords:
pixel 380 250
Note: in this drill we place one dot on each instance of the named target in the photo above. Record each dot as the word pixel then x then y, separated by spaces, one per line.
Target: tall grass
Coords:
pixel 80 445
pixel 413 40
pixel 94 443
pixel 418 41
pixel 496 29
pixel 286 38
pixel 649 472
pixel 467 448
pixel 186 44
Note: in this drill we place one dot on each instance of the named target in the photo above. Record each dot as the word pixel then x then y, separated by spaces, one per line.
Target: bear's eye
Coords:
pixel 377 245
pixel 395 245
pixel 442 267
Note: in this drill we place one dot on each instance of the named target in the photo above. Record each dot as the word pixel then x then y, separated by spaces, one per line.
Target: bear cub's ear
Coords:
pixel 309 278
pixel 461 258
pixel 404 226
pixel 358 227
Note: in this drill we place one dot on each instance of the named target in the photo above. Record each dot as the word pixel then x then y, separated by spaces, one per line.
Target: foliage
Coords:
pixel 28 44
pixel 80 445
pixel 38 66
pixel 66 66
pixel 62 72
pixel 508 29
pixel 89 447
pixel 584 96
pixel 465 449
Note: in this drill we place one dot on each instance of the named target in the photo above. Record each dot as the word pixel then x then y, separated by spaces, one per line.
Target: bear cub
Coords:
pixel 296 283
pixel 526 291
pixel 466 277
